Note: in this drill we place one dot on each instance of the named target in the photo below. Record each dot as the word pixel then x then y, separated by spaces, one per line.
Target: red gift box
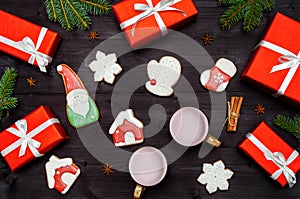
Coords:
pixel 27 41
pixel 31 137
pixel 272 154
pixel 273 66
pixel 142 24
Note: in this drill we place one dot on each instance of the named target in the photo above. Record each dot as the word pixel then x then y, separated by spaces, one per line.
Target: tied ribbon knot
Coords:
pixel 278 159
pixel 149 9
pixel 27 45
pixel 288 60
pixel 26 138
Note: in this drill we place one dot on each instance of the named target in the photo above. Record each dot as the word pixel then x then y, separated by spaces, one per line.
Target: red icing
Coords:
pixel 212 84
pixel 153 82
pixel 70 78
pixel 59 184
pixel 120 132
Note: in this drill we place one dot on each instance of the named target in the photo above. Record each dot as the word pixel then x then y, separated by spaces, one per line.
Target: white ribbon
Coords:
pixel 163 5
pixel 26 139
pixel 27 46
pixel 279 159
pixel 288 60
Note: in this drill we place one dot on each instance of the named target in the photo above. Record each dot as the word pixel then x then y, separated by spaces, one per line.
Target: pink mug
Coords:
pixel 189 127
pixel 148 167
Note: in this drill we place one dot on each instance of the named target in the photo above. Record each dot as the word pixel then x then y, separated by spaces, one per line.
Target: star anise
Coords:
pixel 207 39
pixel 31 82
pixel 107 170
pixel 93 35
pixel 259 109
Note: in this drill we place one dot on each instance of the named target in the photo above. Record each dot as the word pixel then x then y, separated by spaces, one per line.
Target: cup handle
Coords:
pixel 138 191
pixel 210 139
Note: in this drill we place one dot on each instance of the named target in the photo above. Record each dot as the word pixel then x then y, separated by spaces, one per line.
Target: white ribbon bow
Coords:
pixel 27 46
pixel 26 139
pixel 163 5
pixel 288 60
pixel 278 159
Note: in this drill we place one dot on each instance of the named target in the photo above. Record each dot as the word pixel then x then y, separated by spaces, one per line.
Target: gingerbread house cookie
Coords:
pixel 126 129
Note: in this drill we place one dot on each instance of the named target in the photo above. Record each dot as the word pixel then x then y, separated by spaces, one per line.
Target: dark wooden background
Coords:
pixel 249 181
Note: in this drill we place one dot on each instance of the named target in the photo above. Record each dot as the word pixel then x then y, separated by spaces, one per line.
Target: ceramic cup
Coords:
pixel 148 167
pixel 189 127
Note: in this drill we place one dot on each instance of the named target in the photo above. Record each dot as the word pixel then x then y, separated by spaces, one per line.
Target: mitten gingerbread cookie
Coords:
pixel 61 173
pixel 127 129
pixel 217 78
pixel 163 75
pixel 81 108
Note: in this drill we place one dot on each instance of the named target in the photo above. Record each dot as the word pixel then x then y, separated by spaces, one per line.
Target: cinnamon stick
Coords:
pixel 233 112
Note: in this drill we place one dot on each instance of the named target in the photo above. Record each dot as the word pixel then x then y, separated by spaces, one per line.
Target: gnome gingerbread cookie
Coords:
pixel 218 77
pixel 81 109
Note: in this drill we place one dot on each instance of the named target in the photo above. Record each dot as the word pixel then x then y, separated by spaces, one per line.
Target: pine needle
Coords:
pixel 289 124
pixel 7 84
pixel 74 13
pixel 250 11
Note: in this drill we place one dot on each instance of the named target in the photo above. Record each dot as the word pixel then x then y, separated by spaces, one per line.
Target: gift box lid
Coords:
pixel 16 29
pixel 147 29
pixel 50 135
pixel 274 144
pixel 284 32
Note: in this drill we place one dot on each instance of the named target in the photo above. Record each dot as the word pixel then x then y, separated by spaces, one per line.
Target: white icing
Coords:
pixel 166 73
pixel 54 163
pixel 125 144
pixel 69 179
pixel 215 176
pixel 129 116
pixel 129 138
pixel 226 66
pixel 78 101
pixel 105 67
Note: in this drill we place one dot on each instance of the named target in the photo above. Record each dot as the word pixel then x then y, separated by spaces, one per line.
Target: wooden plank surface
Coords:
pixel 249 181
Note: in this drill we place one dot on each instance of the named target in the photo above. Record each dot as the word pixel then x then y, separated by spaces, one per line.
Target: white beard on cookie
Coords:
pixel 78 101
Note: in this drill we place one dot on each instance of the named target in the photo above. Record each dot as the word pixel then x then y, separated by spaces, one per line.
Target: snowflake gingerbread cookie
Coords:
pixel 61 173
pixel 105 67
pixel 215 176
pixel 163 75
pixel 81 108
pixel 126 129
pixel 218 77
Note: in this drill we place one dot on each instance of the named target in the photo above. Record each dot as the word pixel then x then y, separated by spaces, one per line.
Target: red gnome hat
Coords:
pixel 71 80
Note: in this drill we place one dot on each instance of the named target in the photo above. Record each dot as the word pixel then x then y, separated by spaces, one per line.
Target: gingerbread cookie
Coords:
pixel 61 173
pixel 218 77
pixel 81 108
pixel 163 75
pixel 126 129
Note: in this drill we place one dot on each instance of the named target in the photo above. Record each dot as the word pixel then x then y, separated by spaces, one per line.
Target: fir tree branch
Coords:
pixel 7 84
pixel 64 21
pixel 96 7
pixel 250 11
pixel 233 15
pixel 289 124
pixel 9 103
pixel 51 10
pixel 82 16
pixel 74 13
